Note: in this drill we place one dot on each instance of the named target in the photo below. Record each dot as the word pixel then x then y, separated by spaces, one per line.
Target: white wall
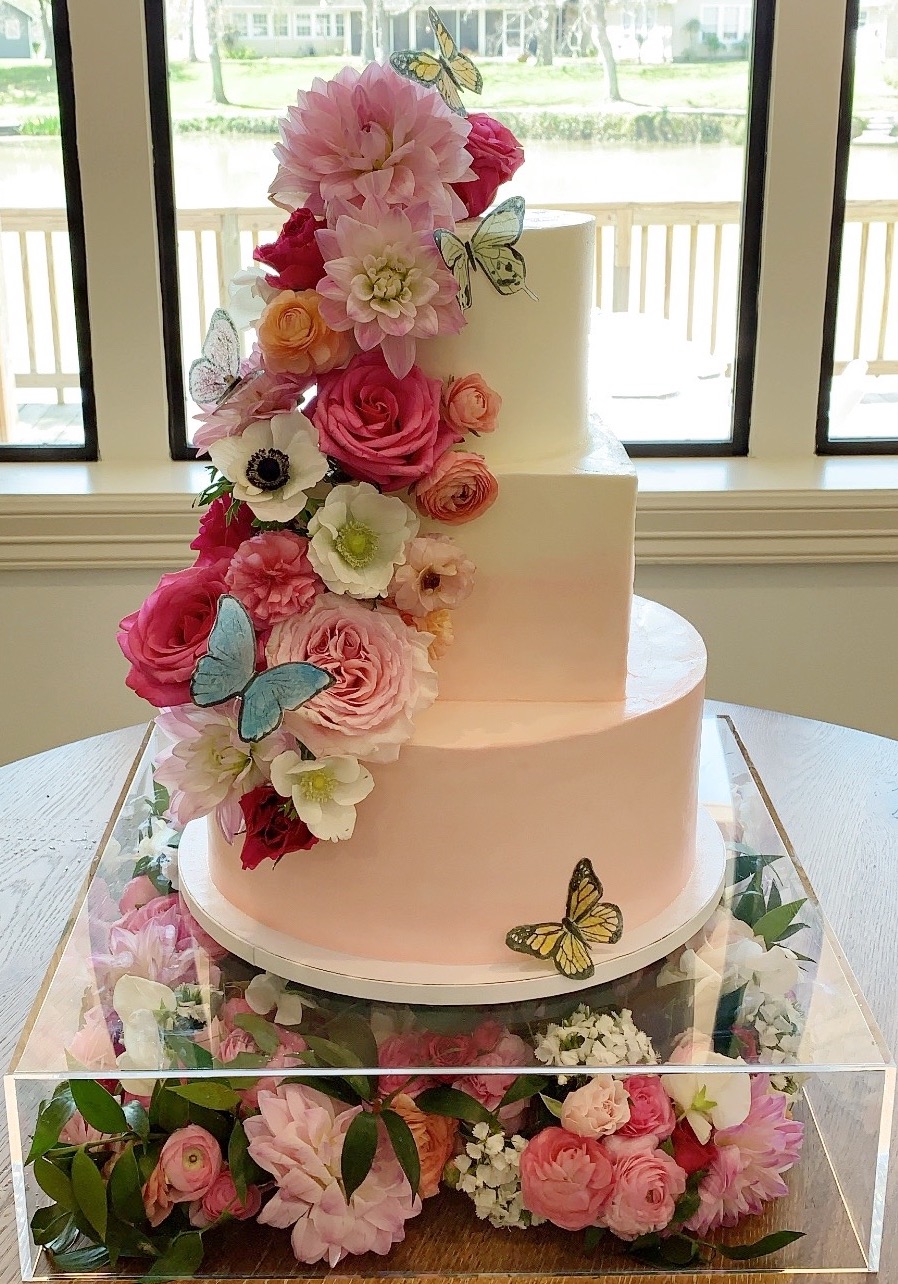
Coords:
pixel 817 640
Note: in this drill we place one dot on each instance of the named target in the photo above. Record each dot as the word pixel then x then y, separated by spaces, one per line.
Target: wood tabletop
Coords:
pixel 834 789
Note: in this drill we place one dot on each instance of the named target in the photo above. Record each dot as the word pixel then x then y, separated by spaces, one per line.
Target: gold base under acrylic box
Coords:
pixel 761 993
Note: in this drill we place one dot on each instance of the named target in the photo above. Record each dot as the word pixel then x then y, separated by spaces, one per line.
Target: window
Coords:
pixel 339 25
pixel 240 23
pixel 323 25
pixel 303 24
pixel 260 26
pixel 281 24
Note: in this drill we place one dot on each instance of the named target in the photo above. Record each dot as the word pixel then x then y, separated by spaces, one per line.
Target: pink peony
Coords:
pixel 406 1051
pixel 221 1200
pixel 371 134
pixel 92 1046
pixel 190 1161
pixel 137 893
pixel 218 537
pixel 386 281
pixel 459 488
pixel 298 1138
pixel 565 1178
pixel 496 155
pixel 165 638
pixel 470 405
pixel 651 1111
pixel 746 1170
pixel 381 429
pixel 647 1186
pixel 436 575
pixel 265 394
pixel 272 577
pixel 382 677
pixel 598 1108
pixel 295 255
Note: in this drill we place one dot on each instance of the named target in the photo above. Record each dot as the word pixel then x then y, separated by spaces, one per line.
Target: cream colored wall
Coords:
pixel 817 640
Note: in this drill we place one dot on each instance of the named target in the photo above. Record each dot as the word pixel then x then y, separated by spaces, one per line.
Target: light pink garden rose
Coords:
pixel 137 893
pixel 221 1199
pixel 272 576
pixel 460 488
pixel 565 1178
pixel 437 575
pixel 647 1186
pixel 598 1108
pixel 382 674
pixel 471 405
pixel 651 1110
pixel 489 1089
pixel 190 1161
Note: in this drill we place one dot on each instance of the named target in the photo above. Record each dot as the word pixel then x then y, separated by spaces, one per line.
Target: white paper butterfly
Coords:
pixel 490 248
pixel 215 375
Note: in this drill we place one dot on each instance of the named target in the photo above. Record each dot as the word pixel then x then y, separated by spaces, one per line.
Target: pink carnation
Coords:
pixel 647 1186
pixel 265 394
pixel 565 1178
pixel 382 677
pixel 272 576
pixel 598 1108
pixel 437 575
pixel 371 134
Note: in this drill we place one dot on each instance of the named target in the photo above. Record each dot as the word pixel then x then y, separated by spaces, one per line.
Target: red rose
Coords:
pixel 165 638
pixel 689 1152
pixel 271 831
pixel 381 429
pixel 218 537
pixel 495 156
pixel 295 255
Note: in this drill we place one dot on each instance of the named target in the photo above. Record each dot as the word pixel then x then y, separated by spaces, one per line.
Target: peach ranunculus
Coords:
pixel 294 337
pixel 434 1137
pixel 598 1108
pixel 459 488
pixel 436 574
pixel 190 1161
pixel 157 1197
pixel 471 405
pixel 565 1178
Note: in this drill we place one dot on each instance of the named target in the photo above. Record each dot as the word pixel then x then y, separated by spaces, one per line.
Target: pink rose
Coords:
pixel 165 638
pixel 137 893
pixel 436 575
pixel 272 576
pixel 448 1050
pixel 381 429
pixel 489 1089
pixel 382 677
pixel 190 1161
pixel 470 405
pixel 295 255
pixel 651 1111
pixel 234 1043
pixel 407 1051
pixel 647 1186
pixel 566 1178
pixel 77 1131
pixel 92 1046
pixel 221 1199
pixel 218 538
pixel 459 488
pixel 598 1108
pixel 157 1197
pixel 496 155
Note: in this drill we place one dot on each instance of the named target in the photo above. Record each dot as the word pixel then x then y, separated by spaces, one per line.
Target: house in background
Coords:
pixel 19 29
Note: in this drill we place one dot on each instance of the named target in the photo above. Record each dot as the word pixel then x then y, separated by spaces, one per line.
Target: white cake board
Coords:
pixel 512 980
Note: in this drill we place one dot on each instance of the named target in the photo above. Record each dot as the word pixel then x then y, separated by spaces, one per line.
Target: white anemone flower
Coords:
pixel 267 991
pixel 324 791
pixel 710 1100
pixel 358 537
pixel 273 464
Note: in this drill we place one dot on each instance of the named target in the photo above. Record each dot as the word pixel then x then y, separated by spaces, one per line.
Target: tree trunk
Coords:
pixel 545 35
pixel 213 23
pixel 191 33
pixel 47 29
pixel 380 33
pixel 604 45
pixel 368 30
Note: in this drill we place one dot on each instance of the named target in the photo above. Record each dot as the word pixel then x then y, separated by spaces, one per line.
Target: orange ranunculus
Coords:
pixel 435 1138
pixel 294 337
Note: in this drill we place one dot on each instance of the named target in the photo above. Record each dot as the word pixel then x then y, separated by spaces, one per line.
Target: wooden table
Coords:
pixel 836 792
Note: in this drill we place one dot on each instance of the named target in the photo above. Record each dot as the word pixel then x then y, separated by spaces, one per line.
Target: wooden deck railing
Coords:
pixel 678 261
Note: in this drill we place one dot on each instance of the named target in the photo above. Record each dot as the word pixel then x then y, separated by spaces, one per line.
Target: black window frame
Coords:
pixel 11 452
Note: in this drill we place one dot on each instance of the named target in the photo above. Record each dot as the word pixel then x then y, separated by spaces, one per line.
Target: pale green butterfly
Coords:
pixel 490 248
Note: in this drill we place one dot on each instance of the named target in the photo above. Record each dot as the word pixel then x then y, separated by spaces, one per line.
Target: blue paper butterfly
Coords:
pixel 229 669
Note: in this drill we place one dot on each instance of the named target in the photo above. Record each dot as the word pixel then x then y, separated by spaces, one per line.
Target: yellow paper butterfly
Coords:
pixel 588 920
pixel 490 248
pixel 448 72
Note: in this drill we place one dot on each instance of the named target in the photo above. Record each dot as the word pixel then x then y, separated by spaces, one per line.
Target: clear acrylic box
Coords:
pixel 817 1040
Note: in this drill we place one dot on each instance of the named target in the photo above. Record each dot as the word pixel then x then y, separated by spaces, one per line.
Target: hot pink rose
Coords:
pixel 459 488
pixel 651 1111
pixel 222 1199
pixel 295 255
pixel 382 677
pixel 471 405
pixel 566 1178
pixel 190 1161
pixel 496 155
pixel 165 638
pixel 218 538
pixel 381 429
pixel 272 576
pixel 647 1186
pixel 137 893
pixel 598 1108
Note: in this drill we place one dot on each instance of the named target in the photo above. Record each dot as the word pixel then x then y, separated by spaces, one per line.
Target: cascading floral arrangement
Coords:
pixel 328 446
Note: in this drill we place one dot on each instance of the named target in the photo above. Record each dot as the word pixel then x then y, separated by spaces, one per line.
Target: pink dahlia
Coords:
pixel 266 394
pixel 386 281
pixel 371 134
pixel 298 1138
pixel 160 942
pixel 749 1161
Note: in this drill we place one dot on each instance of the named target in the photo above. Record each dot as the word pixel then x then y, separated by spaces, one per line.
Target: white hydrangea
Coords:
pixel 489 1172
pixel 587 1038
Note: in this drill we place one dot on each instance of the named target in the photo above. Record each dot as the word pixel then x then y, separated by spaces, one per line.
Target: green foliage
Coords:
pixel 243 1170
pixel 55 1183
pixel 167 1110
pixel 352 1031
pixel 776 921
pixel 51 1120
pixel 180 1260
pixel 90 1191
pixel 524 1086
pixel 41 127
pixel 265 1035
pixel 553 1106
pixel 125 1188
pixel 654 126
pixel 760 1248
pixel 455 1105
pixel 98 1107
pixel 191 1055
pixel 404 1147
pixel 359 1148
pixel 207 1092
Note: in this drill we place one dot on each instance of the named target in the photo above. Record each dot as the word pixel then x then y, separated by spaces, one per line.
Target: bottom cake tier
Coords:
pixel 479 824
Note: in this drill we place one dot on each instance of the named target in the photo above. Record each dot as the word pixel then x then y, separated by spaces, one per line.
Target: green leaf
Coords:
pixel 749 907
pixel 454 1104
pixel 760 1248
pixel 161 798
pixel 180 1260
pixel 50 1123
pixel 167 1112
pixel 340 1089
pixel 331 1054
pixel 81 1260
pixel 791 930
pixel 725 1018
pixel 747 863
pixel 359 1148
pixel 125 1188
pixel 774 899
pixel 55 1183
pixel 553 1106
pixel 208 1093
pixel 90 1191
pixel 243 1170
pixel 772 925
pixel 138 1119
pixel 404 1148
pixel 98 1107
pixel 53 1227
pixel 190 1054
pixel 524 1086
pixel 265 1035
pixel 592 1238
pixel 645 1243
pixel 679 1250
pixel 686 1205
pixel 353 1032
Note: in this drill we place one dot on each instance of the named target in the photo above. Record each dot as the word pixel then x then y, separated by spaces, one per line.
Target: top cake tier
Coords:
pixel 532 352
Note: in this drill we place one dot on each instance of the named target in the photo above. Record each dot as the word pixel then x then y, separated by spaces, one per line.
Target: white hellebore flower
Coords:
pixel 358 537
pixel 273 464
pixel 267 991
pixel 144 1050
pixel 706 1100
pixel 248 293
pixel 134 994
pixel 324 791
